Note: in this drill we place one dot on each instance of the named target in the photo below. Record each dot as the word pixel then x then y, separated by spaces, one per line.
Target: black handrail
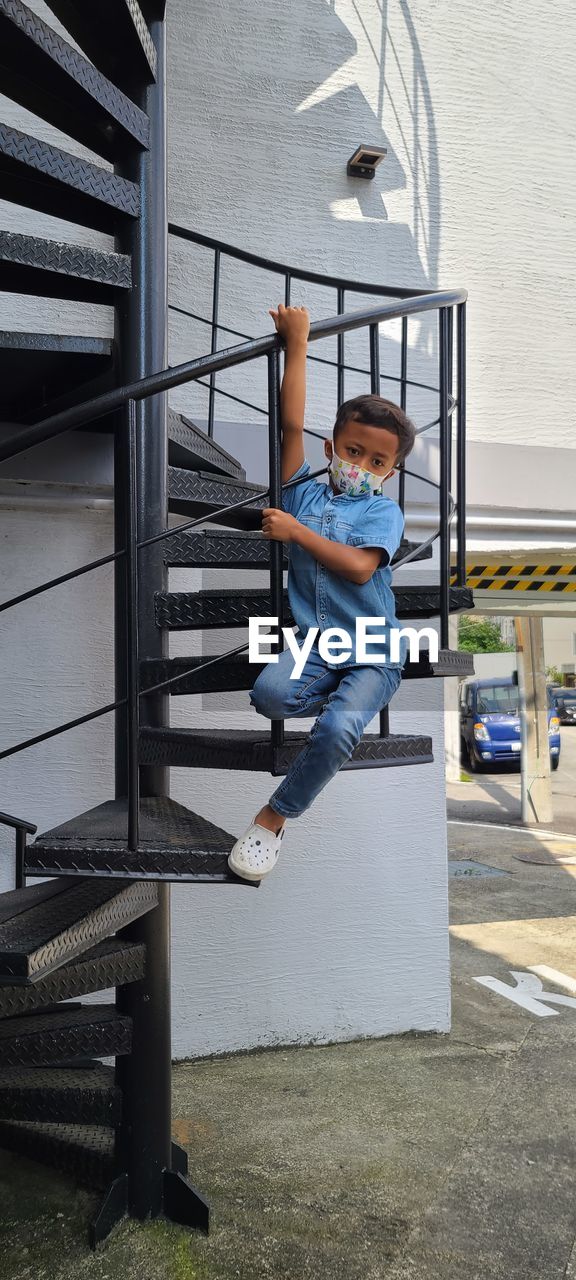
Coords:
pixel 192 370
pixel 292 273
pixel 99 406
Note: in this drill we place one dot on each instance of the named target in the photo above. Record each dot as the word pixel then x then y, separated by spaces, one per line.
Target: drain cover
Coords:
pixel 547 858
pixel 465 867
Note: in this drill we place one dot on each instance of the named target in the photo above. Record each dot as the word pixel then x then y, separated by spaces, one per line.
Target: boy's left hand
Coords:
pixel 278 524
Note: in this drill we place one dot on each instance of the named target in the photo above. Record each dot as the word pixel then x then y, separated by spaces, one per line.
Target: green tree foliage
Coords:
pixel 480 635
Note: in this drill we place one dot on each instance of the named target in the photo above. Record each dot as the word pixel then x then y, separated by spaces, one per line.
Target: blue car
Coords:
pixel 490 724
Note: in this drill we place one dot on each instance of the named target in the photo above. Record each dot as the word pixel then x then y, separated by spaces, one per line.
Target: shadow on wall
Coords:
pixel 276 104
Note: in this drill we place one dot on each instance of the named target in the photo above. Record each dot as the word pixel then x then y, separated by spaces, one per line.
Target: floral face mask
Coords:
pixel 354 480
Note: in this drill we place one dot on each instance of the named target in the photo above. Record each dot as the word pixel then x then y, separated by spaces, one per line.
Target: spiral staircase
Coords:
pixel 90 910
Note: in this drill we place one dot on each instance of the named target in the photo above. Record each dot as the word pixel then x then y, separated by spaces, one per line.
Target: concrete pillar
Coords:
pixel 536 782
pixel 452 712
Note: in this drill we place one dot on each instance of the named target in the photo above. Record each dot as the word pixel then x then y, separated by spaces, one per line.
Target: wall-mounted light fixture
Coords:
pixel 363 161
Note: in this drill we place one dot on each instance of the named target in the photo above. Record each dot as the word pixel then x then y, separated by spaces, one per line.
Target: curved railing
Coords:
pixel 269 346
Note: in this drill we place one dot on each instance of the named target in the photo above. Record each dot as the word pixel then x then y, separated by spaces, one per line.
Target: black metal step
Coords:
pixel 194 610
pixel 218 549
pixel 237 672
pixel 42 927
pixel 38 367
pixel 51 269
pixel 175 844
pixel 44 177
pixel 109 964
pixel 60 1096
pixel 80 1031
pixel 46 75
pixel 114 36
pixel 85 1151
pixel 198 493
pixel 251 749
pixel 189 447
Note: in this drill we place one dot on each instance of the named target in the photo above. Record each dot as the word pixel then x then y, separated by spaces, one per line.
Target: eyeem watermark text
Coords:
pixel 336 645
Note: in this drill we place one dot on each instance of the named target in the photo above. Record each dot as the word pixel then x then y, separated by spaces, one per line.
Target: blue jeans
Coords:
pixel 347 700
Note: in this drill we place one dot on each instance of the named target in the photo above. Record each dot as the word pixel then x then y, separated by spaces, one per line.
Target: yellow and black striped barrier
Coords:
pixel 521 577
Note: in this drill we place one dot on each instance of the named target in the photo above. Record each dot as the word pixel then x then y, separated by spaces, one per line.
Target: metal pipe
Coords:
pixel 132 613
pixel 403 402
pixel 287 288
pixel 62 728
pixel 276 548
pixel 375 390
pixel 444 482
pixel 461 448
pixel 19 876
pixel 267 264
pixel 57 582
pixel 144 1076
pixel 214 339
pixel 340 352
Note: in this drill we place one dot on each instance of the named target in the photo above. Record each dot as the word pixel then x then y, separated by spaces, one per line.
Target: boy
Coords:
pixel 342 537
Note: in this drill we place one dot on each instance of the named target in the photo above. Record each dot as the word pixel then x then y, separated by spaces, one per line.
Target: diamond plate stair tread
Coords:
pixel 234 606
pixel 174 844
pixel 45 74
pixel 216 548
pixel 109 964
pixel 46 178
pixel 190 448
pixel 60 1096
pixel 79 1031
pixel 201 493
pixel 248 749
pixel 50 268
pixel 90 27
pixel 38 367
pixel 85 1151
pixel 35 941
pixel 236 673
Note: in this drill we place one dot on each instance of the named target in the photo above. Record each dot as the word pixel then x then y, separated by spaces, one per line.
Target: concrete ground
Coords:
pixel 495 796
pixel 417 1157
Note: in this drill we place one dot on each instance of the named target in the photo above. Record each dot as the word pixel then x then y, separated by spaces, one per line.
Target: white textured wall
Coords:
pixel 476 105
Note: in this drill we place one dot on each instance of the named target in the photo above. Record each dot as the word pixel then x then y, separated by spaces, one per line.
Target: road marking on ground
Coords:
pixel 553 975
pixel 529 992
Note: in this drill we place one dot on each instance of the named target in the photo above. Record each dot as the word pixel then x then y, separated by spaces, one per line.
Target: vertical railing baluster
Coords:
pixel 287 289
pixel 403 403
pixel 20 857
pixel 444 480
pixel 375 390
pixel 275 500
pixel 214 341
pixel 340 352
pixel 461 448
pixel 132 682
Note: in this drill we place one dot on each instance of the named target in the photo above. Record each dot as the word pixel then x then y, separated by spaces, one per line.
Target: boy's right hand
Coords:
pixel 292 323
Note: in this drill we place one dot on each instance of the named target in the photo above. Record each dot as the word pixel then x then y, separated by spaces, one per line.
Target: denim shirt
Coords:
pixel 320 598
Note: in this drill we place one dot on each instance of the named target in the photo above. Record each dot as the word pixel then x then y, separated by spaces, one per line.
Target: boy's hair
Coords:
pixel 377 412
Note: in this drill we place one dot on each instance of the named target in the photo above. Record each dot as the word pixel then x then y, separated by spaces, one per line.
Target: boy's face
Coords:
pixel 374 448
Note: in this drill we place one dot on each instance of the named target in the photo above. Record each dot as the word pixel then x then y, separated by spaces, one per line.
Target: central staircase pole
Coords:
pixel 150 1170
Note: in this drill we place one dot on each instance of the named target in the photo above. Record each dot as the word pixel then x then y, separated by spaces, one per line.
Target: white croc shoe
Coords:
pixel 255 854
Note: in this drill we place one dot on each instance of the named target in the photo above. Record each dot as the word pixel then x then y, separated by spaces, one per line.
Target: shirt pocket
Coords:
pixel 342 530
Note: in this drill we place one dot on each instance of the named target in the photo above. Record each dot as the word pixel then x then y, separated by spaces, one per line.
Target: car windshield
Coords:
pixel 567 695
pixel 502 698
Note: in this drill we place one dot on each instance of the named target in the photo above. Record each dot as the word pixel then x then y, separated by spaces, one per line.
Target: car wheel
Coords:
pixel 554 762
pixel 473 764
